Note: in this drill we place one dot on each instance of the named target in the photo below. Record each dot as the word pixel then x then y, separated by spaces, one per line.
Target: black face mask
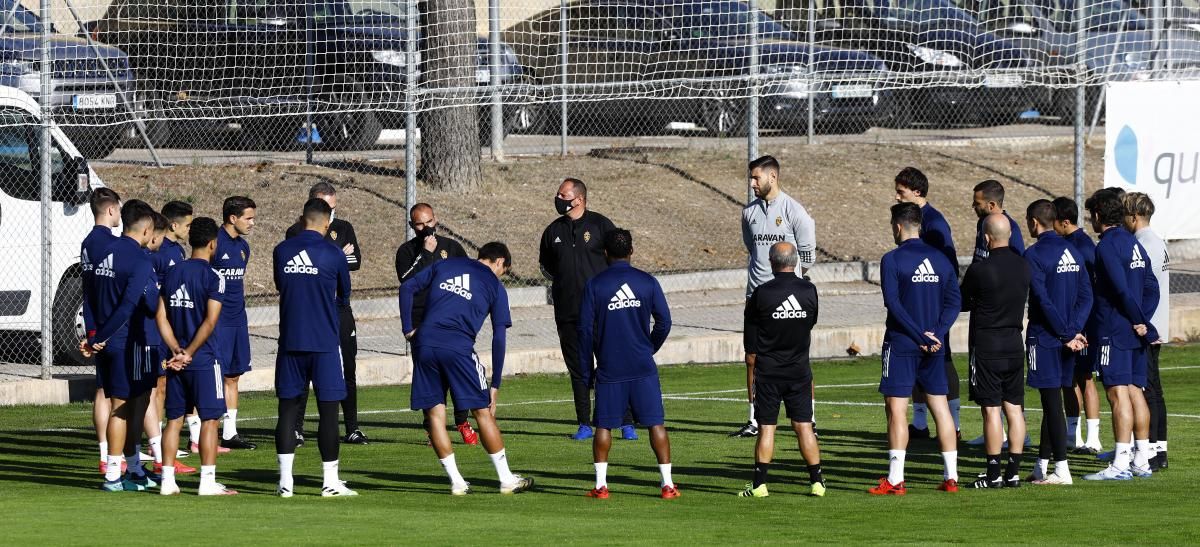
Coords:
pixel 562 205
pixel 426 231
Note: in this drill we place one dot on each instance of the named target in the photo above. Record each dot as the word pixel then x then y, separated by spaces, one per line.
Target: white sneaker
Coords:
pixel 337 491
pixel 1056 479
pixel 519 484
pixel 1140 472
pixel 1109 473
pixel 216 489
pixel 169 488
pixel 181 454
pixel 460 489
pixel 284 492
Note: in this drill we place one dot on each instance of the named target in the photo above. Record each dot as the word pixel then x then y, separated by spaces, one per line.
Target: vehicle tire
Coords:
pixel 271 133
pixel 724 117
pixel 529 120
pixel 349 130
pixel 67 323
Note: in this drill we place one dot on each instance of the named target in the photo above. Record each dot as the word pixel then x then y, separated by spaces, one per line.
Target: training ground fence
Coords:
pixel 481 107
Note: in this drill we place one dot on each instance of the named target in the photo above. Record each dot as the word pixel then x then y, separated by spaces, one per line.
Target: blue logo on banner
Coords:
pixel 1125 154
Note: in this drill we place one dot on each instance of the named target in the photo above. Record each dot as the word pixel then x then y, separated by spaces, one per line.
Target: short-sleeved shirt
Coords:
pixel 187 289
pixel 230 260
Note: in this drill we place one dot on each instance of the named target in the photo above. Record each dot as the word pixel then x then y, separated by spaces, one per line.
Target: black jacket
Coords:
pixel 571 252
pixel 994 290
pixel 412 257
pixel 779 319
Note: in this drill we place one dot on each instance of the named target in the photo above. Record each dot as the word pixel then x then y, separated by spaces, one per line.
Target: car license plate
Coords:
pixel 1002 80
pixel 85 102
pixel 483 75
pixel 852 91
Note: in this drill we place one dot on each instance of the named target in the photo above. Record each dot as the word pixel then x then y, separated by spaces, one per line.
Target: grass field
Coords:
pixel 50 482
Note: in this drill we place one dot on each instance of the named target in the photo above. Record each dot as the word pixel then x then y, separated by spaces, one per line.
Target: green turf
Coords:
pixel 49 481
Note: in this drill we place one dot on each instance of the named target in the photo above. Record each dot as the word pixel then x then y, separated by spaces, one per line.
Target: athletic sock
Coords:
pixel 1043 466
pixel 1161 447
pixel 950 459
pixel 1122 456
pixel 1014 466
pixel 1141 456
pixel 920 416
pixel 113 471
pixel 133 464
pixel 193 423
pixel 156 449
pixel 456 478
pixel 955 406
pixel 285 470
pixel 814 474
pixel 230 429
pixel 330 472
pixel 1093 432
pixel 104 451
pixel 168 474
pixel 760 473
pixel 664 469
pixel 501 462
pixel 752 420
pixel 208 477
pixel 993 467
pixel 601 474
pixel 1073 429
pixel 1062 469
pixel 895 467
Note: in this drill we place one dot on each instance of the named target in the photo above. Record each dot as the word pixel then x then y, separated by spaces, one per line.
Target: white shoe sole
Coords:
pixel 284 493
pixel 172 490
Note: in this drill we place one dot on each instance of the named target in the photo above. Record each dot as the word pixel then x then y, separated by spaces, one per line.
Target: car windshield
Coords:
pixel 19 19
pixel 1100 15
pixel 724 20
pixel 925 11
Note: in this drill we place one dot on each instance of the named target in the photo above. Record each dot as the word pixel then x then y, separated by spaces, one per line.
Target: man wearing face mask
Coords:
pixel 412 257
pixel 571 252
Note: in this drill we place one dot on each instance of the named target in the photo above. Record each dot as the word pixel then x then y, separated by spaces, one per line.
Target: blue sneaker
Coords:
pixel 1109 473
pixel 585 432
pixel 123 484
pixel 1106 456
pixel 143 481
pixel 629 433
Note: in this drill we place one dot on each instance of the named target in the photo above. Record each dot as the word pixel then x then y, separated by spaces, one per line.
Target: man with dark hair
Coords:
pixel 779 318
pixel 188 309
pixel 462 292
pixel 1138 210
pixel 773 216
pixel 994 291
pixel 121 276
pixel 913 187
pixel 106 209
pixel 416 254
pixel 614 326
pixel 341 234
pixel 1082 394
pixel 1126 296
pixel 233 330
pixel 570 253
pixel 144 331
pixel 313 280
pixel 1059 304
pixel 922 301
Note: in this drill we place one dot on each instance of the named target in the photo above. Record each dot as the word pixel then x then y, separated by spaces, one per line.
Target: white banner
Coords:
pixel 1152 145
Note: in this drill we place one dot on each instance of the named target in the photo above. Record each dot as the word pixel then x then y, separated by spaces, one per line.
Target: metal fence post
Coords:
pixel 44 152
pixel 309 80
pixel 562 47
pixel 812 73
pixel 410 112
pixel 494 60
pixel 752 100
pixel 1080 104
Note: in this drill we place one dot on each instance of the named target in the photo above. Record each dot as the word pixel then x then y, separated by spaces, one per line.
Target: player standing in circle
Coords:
pixel 106 209
pixel 233 330
pixel 1138 210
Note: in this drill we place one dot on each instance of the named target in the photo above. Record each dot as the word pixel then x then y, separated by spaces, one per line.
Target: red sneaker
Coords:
pixel 886 488
pixel 669 492
pixel 601 493
pixel 195 449
pixel 180 468
pixel 468 434
pixel 949 485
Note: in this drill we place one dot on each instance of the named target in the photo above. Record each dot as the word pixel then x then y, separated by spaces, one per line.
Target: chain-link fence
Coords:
pixel 481 108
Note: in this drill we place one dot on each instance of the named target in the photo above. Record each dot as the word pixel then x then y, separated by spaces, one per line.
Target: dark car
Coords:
pixel 951 69
pixel 84 98
pixel 696 53
pixel 246 62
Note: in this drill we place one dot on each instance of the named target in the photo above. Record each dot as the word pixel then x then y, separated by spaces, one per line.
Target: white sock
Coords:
pixel 1122 456
pixel 331 474
pixel 1141 456
pixel 156 449
pixel 895 467
pixel 193 423
pixel 230 429
pixel 208 477
pixel 1043 466
pixel 920 416
pixel 1093 433
pixel 752 420
pixel 950 459
pixel 1073 428
pixel 285 470
pixel 665 470
pixel 113 471
pixel 168 474
pixel 104 451
pixel 501 462
pixel 1062 469
pixel 1162 446
pixel 456 478
pixel 601 474
pixel 955 406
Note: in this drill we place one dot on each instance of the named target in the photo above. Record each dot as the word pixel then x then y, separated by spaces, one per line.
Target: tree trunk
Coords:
pixel 450 153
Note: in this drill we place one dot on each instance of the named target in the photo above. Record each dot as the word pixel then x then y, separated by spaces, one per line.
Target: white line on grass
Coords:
pixel 863 403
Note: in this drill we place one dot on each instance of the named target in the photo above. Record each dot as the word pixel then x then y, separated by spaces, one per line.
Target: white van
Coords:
pixel 21 305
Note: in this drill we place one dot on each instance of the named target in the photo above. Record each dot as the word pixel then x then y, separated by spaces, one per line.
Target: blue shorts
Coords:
pixel 1049 366
pixel 295 369
pixel 233 343
pixel 903 372
pixel 127 371
pixel 1119 366
pixel 202 389
pixel 436 370
pixel 643 396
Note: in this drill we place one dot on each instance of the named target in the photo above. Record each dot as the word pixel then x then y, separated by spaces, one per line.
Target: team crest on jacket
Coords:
pixel 445 254
pixel 779 221
pixel 243 256
pixel 587 236
pixel 333 235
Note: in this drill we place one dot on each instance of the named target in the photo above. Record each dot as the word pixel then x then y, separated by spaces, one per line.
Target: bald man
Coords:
pixel 994 291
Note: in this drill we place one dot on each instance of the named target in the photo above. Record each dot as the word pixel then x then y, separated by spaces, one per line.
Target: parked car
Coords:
pixel 950 69
pixel 246 62
pixel 21 304
pixel 697 54
pixel 83 97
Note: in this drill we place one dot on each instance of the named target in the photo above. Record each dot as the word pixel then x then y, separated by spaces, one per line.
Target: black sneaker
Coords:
pixel 917 433
pixel 299 439
pixel 355 437
pixel 1158 462
pixel 238 443
pixel 983 482
pixel 1013 482
pixel 748 430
